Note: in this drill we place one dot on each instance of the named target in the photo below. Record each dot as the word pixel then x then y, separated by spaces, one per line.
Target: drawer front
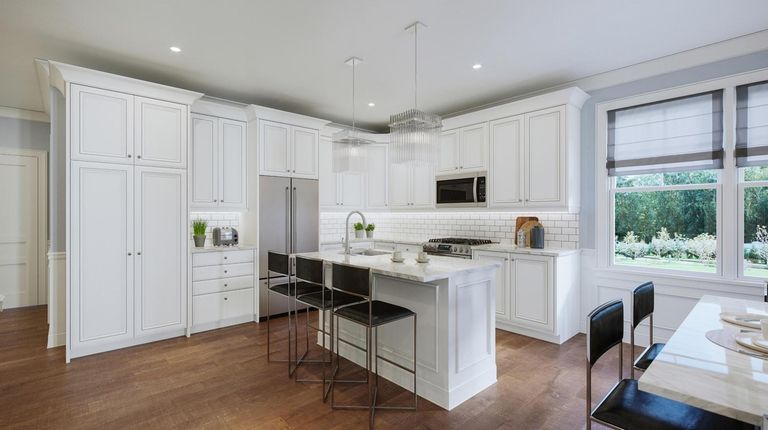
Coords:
pixel 220 285
pixel 214 307
pixel 406 247
pixel 223 271
pixel 222 257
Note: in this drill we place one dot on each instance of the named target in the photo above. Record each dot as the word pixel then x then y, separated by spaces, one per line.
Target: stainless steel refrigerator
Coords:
pixel 289 212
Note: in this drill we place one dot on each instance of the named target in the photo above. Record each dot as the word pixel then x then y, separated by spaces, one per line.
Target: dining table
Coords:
pixel 695 370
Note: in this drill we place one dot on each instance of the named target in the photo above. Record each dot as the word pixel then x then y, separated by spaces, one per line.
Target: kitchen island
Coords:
pixel 454 299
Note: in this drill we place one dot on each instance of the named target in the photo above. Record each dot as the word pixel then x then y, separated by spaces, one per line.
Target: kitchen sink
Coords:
pixel 369 252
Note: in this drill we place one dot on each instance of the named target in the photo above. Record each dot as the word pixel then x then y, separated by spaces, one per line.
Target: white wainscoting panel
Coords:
pixel 57 296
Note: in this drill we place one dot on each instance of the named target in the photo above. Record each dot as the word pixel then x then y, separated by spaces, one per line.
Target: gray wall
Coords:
pixel 705 72
pixel 57 179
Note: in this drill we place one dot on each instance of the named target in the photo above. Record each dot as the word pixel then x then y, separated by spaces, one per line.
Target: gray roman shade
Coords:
pixel 673 135
pixel 752 124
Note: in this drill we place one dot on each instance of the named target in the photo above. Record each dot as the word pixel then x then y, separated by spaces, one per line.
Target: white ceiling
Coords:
pixel 290 54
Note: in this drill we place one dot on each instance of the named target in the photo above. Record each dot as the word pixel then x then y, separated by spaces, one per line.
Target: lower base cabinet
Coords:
pixel 537 295
pixel 222 289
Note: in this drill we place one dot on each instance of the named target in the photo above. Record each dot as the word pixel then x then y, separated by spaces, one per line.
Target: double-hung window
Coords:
pixel 664 161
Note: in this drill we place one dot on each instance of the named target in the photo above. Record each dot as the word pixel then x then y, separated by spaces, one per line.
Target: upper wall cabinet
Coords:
pixel 115 127
pixel 338 190
pixel 411 187
pixel 288 150
pixel 463 150
pixel 377 182
pixel 218 162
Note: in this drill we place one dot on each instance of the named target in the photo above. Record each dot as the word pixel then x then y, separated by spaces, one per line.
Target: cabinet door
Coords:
pixel 274 143
pixel 161 250
pixel 473 147
pixel 204 161
pixel 422 187
pixel 503 284
pixel 160 133
pixel 449 152
pixel 399 186
pixel 232 171
pixel 101 125
pixel 532 290
pixel 304 153
pixel 101 257
pixel 506 162
pixel 351 187
pixel 376 192
pixel 545 156
pixel 327 187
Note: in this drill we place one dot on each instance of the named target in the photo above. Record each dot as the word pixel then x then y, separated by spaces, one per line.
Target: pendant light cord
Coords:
pixel 354 63
pixel 416 65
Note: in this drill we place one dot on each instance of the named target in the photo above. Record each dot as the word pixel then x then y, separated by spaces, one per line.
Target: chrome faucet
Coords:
pixel 346 233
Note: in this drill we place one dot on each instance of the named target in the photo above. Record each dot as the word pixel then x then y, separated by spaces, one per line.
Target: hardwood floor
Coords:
pixel 221 380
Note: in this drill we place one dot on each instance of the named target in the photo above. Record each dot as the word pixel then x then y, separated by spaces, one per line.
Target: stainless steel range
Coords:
pixel 453 246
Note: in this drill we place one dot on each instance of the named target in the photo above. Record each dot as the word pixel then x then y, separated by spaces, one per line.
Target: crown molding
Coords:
pixel 23 114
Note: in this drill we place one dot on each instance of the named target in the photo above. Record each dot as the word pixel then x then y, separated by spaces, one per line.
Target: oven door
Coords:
pixel 456 191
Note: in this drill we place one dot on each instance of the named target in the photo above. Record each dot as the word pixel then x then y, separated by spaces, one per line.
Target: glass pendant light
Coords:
pixel 349 147
pixel 414 134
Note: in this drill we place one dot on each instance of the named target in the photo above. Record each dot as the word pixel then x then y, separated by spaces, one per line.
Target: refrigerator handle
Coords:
pixel 294 209
pixel 287 224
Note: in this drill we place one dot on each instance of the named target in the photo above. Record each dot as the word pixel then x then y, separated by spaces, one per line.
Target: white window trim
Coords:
pixel 730 204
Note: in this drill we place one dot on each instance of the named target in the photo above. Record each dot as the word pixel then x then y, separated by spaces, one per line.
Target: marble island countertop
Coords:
pixel 437 268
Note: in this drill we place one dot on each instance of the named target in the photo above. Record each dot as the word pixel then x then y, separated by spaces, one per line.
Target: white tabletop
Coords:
pixel 693 370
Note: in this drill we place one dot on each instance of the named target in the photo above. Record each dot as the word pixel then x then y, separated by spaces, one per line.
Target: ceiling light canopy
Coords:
pixel 349 152
pixel 175 49
pixel 414 133
pixel 371 104
pixel 477 66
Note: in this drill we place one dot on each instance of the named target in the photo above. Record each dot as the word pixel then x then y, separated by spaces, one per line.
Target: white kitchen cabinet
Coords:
pixel 101 257
pixel 218 162
pixel 288 150
pixel 376 191
pixel 464 149
pixel 506 162
pixel 223 286
pixel 102 125
pixel 411 186
pixel 536 295
pixel 343 191
pixel 160 239
pixel 160 133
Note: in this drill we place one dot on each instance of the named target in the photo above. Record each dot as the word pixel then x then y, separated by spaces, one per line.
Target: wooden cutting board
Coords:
pixel 522 220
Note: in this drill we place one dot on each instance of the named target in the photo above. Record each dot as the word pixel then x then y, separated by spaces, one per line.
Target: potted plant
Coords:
pixel 369 230
pixel 359 230
pixel 198 228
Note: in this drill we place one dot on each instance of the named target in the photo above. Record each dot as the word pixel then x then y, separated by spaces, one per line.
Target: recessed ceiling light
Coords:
pixel 477 66
pixel 175 49
pixel 371 104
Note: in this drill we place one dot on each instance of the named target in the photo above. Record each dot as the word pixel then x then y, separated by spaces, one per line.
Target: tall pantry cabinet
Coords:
pixel 127 210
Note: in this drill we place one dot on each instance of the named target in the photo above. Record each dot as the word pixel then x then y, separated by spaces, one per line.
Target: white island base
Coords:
pixel 454 300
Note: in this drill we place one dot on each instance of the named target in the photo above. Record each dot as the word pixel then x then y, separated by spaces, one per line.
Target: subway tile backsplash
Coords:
pixel 561 230
pixel 215 219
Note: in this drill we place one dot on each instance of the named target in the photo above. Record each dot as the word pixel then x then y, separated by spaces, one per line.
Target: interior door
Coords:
pixel 473 147
pixel 274 148
pixel 533 292
pixel 204 161
pixel 422 186
pixel 377 177
pixel 232 153
pixel 545 147
pixel 19 241
pixel 101 124
pixel 101 256
pixel 305 142
pixel 449 154
pixel 506 162
pixel 274 208
pixel 160 133
pixel 161 250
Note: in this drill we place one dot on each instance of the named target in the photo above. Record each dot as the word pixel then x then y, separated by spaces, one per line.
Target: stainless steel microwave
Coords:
pixel 461 190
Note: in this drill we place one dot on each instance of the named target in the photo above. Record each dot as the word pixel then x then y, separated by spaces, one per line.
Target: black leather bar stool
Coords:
pixel 642 308
pixel 625 406
pixel 280 264
pixel 312 271
pixel 371 314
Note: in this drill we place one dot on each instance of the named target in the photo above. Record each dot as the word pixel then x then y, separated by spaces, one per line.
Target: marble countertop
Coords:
pixel 694 370
pixel 438 267
pixel 196 250
pixel 512 248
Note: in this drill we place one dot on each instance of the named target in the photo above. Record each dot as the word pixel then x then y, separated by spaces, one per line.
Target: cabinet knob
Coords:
pixel 138 253
pixel 226 298
pixel 214 200
pixel 225 285
pixel 225 257
pixel 222 200
pixel 225 271
pixel 294 171
pixel 129 155
pixel 138 156
pixel 129 254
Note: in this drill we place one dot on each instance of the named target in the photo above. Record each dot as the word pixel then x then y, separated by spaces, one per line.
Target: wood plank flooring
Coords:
pixel 221 380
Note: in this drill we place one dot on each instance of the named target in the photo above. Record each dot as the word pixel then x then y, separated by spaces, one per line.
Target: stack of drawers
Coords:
pixel 222 288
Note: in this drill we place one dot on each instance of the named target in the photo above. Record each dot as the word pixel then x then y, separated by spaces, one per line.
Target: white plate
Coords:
pixel 743 319
pixel 422 261
pixel 754 341
pixel 397 260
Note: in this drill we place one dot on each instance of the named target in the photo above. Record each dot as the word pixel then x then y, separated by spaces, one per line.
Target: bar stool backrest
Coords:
pixel 310 270
pixel 605 329
pixel 642 303
pixel 278 263
pixel 352 279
